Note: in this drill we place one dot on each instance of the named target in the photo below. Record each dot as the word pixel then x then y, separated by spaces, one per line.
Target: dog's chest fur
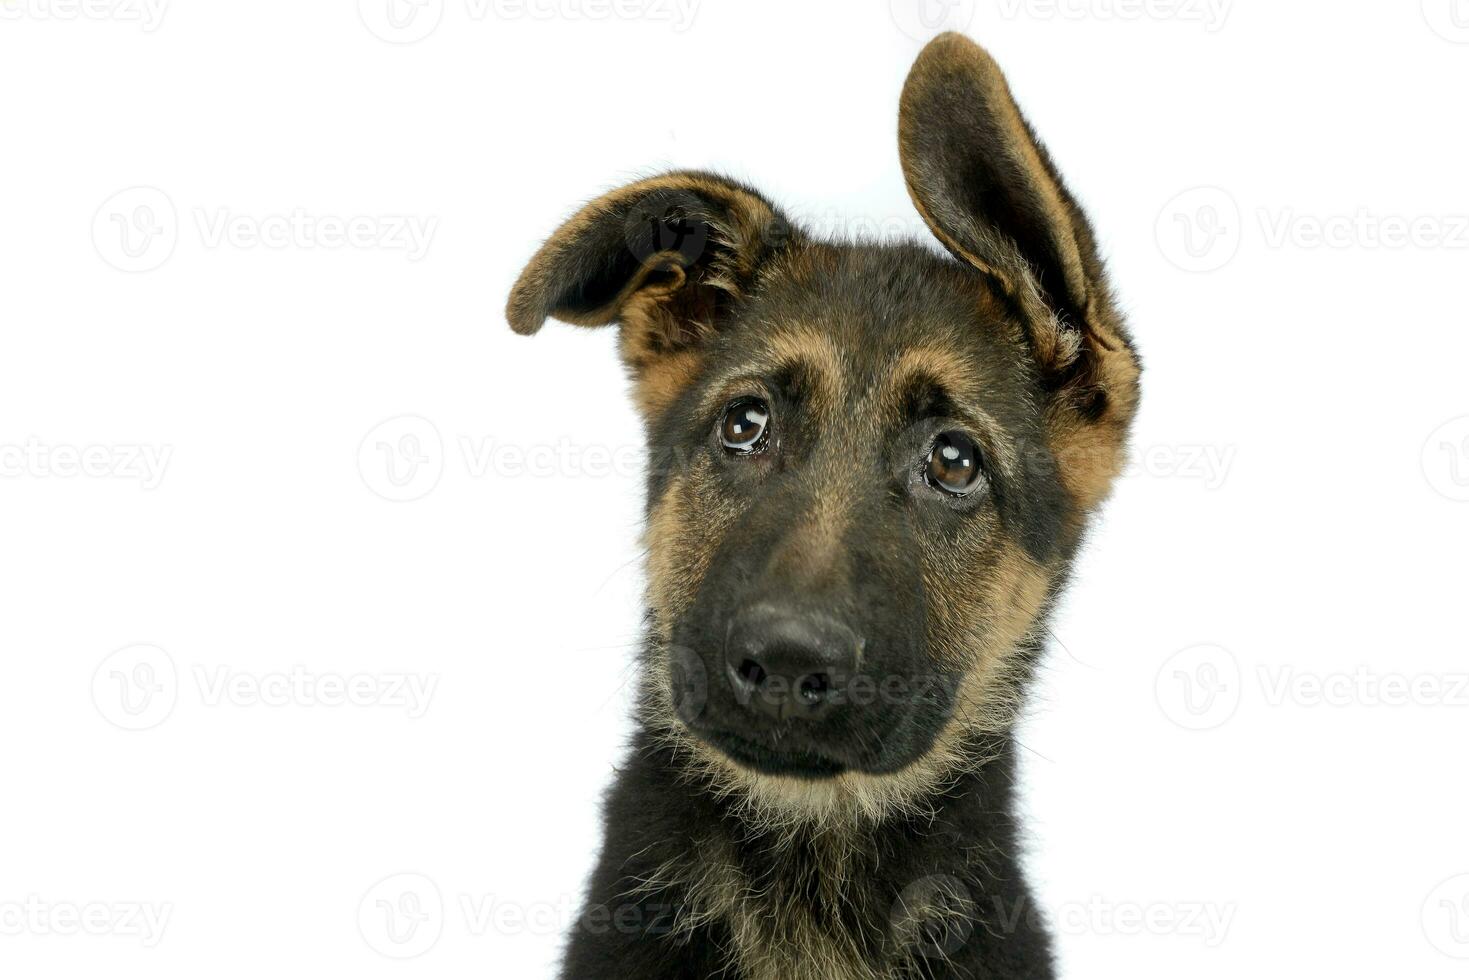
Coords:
pixel 804 907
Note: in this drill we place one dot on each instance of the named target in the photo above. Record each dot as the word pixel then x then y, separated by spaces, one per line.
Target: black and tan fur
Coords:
pixel 878 842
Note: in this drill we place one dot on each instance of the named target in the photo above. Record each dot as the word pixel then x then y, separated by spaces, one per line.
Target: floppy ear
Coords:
pixel 989 191
pixel 662 257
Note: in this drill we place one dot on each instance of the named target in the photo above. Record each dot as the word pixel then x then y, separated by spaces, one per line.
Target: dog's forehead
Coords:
pixel 869 328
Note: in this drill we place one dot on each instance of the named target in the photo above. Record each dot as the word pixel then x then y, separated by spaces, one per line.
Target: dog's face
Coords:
pixel 847 517
pixel 872 464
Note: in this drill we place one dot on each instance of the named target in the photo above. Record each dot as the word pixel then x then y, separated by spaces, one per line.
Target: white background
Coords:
pixel 1222 777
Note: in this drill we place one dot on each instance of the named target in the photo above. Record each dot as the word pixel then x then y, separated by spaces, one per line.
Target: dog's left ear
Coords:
pixel 664 258
pixel 989 191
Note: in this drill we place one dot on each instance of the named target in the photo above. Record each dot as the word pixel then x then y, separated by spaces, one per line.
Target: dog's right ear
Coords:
pixel 663 258
pixel 989 191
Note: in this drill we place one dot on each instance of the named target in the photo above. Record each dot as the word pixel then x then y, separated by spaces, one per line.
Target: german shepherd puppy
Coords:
pixel 872 466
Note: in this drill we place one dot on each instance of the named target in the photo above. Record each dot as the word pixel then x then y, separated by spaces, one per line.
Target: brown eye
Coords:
pixel 953 464
pixel 744 426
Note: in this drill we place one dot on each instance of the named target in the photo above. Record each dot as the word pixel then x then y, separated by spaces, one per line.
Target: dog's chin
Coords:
pixel 796 754
pixel 800 764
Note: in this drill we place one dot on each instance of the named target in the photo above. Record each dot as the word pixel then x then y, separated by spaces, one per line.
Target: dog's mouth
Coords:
pixel 800 763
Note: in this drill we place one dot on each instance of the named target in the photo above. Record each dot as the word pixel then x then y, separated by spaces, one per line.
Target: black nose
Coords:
pixel 784 664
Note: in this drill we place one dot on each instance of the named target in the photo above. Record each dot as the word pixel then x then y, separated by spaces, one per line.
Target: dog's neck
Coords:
pixel 854 889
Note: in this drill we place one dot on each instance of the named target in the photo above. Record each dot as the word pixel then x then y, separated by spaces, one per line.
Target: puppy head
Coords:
pixel 872 464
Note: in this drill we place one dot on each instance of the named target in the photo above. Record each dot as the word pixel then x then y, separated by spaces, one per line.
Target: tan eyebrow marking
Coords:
pixel 808 348
pixel 956 376
pixel 801 347
pixel 944 367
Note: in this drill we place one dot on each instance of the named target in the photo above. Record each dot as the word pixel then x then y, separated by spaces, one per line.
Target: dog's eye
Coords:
pixel 953 464
pixel 744 426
